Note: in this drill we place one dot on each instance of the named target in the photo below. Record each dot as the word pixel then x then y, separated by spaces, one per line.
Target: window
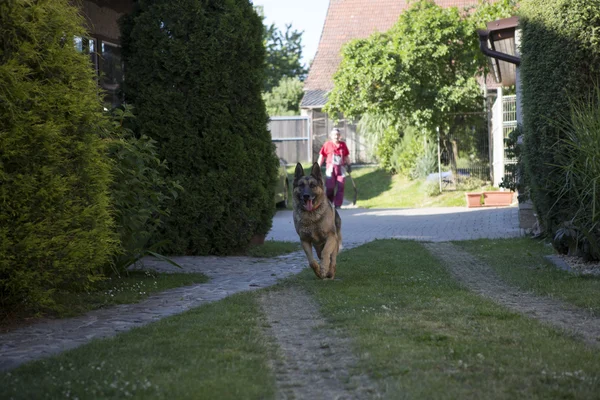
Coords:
pixel 111 72
pixel 87 46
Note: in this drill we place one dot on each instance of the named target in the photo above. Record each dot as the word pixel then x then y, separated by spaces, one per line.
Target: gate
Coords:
pixel 322 126
pixel 467 148
pixel 292 138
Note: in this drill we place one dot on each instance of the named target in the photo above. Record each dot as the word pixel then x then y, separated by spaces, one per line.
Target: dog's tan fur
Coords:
pixel 317 221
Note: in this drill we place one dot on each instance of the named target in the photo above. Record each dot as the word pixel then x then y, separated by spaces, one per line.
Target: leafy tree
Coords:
pixel 139 190
pixel 195 76
pixel 285 98
pixel 284 56
pixel 421 73
pixel 56 231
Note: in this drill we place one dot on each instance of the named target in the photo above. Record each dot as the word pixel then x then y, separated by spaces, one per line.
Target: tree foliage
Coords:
pixel 420 73
pixel 195 76
pixel 55 226
pixel 284 99
pixel 422 69
pixel 140 189
pixel 284 56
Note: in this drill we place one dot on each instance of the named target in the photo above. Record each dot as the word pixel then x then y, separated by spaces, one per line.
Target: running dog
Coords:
pixel 317 221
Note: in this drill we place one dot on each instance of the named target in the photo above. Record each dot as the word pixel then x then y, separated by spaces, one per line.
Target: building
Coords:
pixel 347 20
pixel 103 42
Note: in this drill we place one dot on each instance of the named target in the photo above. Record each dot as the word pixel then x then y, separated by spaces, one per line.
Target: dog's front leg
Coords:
pixel 307 247
pixel 328 260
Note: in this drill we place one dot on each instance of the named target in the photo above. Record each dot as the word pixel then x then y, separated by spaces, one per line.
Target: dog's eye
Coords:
pixel 312 185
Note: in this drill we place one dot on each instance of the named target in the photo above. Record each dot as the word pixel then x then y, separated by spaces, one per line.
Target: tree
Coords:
pixel 284 56
pixel 285 98
pixel 422 72
pixel 56 231
pixel 195 76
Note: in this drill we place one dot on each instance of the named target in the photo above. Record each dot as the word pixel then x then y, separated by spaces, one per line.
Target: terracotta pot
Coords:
pixel 497 199
pixel 257 239
pixel 473 199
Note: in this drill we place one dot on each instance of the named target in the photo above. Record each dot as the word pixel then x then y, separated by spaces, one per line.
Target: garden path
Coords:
pixel 481 278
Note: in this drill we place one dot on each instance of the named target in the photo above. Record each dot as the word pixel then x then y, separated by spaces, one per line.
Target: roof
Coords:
pixel 502 40
pixel 353 19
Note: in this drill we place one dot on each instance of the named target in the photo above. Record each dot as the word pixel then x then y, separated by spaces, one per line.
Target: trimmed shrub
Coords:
pixel 195 70
pixel 139 190
pixel 55 227
pixel 560 61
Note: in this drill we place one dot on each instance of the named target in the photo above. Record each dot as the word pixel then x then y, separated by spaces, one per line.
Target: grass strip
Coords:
pixel 380 189
pixel 423 336
pixel 521 263
pixel 212 352
pixel 129 288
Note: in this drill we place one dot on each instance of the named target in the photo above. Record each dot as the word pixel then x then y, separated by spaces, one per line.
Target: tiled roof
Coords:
pixel 314 98
pixel 353 19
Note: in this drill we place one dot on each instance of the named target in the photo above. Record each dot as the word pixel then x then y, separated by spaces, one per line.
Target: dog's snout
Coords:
pixel 306 196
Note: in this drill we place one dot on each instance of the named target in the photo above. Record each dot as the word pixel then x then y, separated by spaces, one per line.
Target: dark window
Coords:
pixel 111 72
pixel 88 46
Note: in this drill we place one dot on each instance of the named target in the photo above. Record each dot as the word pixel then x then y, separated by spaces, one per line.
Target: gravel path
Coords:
pixel 480 278
pixel 316 362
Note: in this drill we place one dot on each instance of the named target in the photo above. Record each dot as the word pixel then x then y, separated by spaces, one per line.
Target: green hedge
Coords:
pixel 560 63
pixel 55 227
pixel 194 74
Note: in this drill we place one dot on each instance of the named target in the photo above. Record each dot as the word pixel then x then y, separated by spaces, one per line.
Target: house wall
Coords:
pixel 102 17
pixel 103 43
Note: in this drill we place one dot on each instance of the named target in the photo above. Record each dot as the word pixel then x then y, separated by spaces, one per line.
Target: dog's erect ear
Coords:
pixel 298 174
pixel 316 172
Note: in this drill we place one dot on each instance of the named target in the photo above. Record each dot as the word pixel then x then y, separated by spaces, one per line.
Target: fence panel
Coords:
pixel 467 148
pixel 292 138
pixel 322 126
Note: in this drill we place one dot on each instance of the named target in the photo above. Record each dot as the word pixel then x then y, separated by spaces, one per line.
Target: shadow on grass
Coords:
pixel 370 184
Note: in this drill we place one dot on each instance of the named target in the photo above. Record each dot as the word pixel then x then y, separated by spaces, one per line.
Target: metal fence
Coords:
pixel 504 121
pixel 322 126
pixel 509 122
pixel 467 148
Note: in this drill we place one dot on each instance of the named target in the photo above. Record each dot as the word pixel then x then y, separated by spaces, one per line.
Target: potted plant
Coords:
pixel 497 198
pixel 473 199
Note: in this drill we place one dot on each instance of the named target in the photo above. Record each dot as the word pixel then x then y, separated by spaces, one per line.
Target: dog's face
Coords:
pixel 308 190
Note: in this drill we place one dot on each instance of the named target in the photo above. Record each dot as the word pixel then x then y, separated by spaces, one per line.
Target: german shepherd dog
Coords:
pixel 317 221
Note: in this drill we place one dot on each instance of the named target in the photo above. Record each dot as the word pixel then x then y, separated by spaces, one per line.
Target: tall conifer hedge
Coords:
pixel 194 72
pixel 55 228
pixel 560 63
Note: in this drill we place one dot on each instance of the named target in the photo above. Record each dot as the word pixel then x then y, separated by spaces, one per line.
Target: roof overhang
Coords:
pixel 498 43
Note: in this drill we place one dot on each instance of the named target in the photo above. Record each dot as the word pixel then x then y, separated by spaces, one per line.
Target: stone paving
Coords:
pixel 229 275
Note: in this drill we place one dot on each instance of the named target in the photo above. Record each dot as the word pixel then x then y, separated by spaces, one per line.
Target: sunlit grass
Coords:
pixel 416 332
pixel 422 335
pixel 521 263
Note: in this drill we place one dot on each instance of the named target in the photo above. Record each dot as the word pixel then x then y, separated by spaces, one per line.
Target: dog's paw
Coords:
pixel 315 267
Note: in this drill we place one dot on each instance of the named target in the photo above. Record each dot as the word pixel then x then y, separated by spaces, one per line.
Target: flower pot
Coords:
pixel 257 239
pixel 473 199
pixel 497 199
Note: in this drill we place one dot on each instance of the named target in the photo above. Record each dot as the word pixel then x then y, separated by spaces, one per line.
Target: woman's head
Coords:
pixel 335 135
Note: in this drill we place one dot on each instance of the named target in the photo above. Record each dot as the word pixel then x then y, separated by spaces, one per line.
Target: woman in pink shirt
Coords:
pixel 335 153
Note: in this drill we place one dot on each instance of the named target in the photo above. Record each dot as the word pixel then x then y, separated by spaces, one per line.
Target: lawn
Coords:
pixel 415 331
pixel 520 262
pixel 380 189
pixel 132 287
